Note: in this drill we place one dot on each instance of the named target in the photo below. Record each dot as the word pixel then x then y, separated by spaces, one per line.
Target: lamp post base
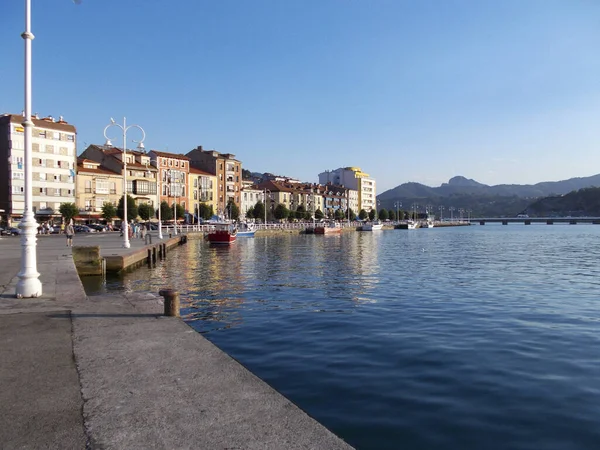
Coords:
pixel 160 235
pixel 29 285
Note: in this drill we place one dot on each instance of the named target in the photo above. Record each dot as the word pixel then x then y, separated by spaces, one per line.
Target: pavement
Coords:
pixel 110 372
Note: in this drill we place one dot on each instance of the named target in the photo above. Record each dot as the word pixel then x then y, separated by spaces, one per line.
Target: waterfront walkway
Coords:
pixel 110 372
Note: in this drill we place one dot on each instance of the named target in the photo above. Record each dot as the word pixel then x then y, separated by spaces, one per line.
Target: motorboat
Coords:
pixel 223 234
pixel 328 228
pixel 413 225
pixel 372 226
pixel 246 229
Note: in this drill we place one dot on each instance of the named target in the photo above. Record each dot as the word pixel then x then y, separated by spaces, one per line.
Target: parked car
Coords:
pixel 11 231
pixel 98 227
pixel 83 229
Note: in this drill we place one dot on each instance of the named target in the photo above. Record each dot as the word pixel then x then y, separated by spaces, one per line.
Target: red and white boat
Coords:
pixel 224 234
pixel 328 228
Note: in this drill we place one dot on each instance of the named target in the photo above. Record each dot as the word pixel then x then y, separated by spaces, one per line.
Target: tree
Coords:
pixel 351 214
pixel 392 214
pixel 68 211
pixel 108 211
pixel 362 215
pixel 180 211
pixel 300 212
pixel 307 215
pixel 372 214
pixel 132 210
pixel 250 212
pixel 339 214
pixel 259 211
pixel 166 212
pixel 233 210
pixel 383 214
pixel 281 212
pixel 145 210
pixel 319 214
pixel 205 211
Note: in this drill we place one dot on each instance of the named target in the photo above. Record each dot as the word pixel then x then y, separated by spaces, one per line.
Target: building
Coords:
pixel 141 174
pixel 293 195
pixel 353 178
pixel 251 195
pixel 173 171
pixel 201 191
pixel 228 173
pixel 96 185
pixel 53 158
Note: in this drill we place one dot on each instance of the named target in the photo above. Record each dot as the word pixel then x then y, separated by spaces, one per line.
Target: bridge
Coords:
pixel 530 220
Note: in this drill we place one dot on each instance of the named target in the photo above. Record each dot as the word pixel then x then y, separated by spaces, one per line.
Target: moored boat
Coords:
pixel 372 226
pixel 328 228
pixel 223 234
pixel 246 229
pixel 413 225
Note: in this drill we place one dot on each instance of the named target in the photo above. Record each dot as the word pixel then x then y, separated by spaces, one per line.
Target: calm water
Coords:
pixel 451 338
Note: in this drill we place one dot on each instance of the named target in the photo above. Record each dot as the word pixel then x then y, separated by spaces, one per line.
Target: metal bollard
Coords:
pixel 171 301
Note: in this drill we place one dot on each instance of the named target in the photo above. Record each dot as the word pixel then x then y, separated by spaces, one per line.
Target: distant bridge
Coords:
pixel 530 220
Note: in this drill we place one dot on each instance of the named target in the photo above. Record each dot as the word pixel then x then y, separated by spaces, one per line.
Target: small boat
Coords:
pixel 223 234
pixel 328 228
pixel 372 226
pixel 413 225
pixel 246 229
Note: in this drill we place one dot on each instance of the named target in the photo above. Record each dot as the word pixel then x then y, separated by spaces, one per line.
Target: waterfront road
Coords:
pixel 110 372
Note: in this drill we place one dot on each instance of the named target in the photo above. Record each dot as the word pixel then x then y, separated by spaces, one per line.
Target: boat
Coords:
pixel 246 229
pixel 223 234
pixel 413 225
pixel 372 226
pixel 328 228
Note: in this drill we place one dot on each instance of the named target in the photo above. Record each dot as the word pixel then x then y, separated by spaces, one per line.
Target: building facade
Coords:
pixel 228 173
pixel 201 191
pixel 95 186
pixel 53 161
pixel 354 178
pixel 142 183
pixel 173 174
pixel 250 196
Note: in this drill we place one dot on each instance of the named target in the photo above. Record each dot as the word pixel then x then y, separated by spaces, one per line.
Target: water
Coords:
pixel 470 337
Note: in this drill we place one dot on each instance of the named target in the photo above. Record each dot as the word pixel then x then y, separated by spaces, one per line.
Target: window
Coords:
pixel 17 189
pixel 18 145
pixel 18 176
pixel 88 186
pixel 43 191
pixel 102 186
pixel 70 137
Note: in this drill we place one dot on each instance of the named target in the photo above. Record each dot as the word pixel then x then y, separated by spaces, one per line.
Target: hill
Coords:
pixel 482 200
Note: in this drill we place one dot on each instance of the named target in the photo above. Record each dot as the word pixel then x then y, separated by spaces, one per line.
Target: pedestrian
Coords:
pixel 70 232
pixel 62 228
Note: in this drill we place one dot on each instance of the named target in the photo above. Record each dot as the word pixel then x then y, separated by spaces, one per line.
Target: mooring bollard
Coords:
pixel 171 301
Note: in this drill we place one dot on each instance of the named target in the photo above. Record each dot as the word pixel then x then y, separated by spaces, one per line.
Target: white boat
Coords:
pixel 372 226
pixel 246 229
pixel 413 225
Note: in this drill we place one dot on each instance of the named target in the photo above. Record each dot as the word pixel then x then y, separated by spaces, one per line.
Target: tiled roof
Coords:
pixel 195 171
pixel 170 155
pixel 41 123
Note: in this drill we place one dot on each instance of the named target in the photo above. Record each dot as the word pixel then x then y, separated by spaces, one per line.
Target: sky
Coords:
pixel 497 91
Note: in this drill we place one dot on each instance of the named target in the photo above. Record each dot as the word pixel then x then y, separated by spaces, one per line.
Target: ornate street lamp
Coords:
pixel 160 235
pixel 29 284
pixel 124 128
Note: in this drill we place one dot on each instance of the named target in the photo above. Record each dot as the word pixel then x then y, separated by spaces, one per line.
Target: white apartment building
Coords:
pixel 53 162
pixel 355 179
pixel 251 195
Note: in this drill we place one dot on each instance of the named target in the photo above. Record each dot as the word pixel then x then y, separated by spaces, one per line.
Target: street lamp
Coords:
pixel 124 128
pixel 160 235
pixel 266 206
pixel 441 208
pixel 172 193
pixel 452 209
pixel 29 284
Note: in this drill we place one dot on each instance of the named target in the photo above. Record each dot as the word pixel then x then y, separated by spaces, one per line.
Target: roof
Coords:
pixel 97 170
pixel 40 123
pixel 169 155
pixel 195 171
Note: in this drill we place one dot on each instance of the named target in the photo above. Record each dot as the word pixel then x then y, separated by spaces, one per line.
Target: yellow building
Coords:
pixel 95 186
pixel 201 190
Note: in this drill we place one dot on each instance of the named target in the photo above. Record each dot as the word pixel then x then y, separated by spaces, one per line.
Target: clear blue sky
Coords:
pixel 498 91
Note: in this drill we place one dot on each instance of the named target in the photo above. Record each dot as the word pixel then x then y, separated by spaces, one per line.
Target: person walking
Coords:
pixel 70 230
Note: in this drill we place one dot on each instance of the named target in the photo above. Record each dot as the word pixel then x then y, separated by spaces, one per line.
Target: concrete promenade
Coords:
pixel 110 372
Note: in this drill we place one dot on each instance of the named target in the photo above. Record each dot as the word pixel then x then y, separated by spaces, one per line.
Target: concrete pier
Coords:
pixel 113 372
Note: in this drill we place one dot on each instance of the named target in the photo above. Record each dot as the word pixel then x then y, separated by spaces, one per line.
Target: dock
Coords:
pixel 113 372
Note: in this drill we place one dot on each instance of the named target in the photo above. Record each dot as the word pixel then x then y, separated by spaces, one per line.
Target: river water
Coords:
pixel 449 338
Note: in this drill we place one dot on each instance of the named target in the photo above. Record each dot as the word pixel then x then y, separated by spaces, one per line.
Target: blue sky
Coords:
pixel 498 91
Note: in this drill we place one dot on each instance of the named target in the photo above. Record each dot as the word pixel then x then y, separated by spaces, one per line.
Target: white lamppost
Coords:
pixel 266 206
pixel 441 208
pixel 452 209
pixel 158 174
pixel 124 128
pixel 29 284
